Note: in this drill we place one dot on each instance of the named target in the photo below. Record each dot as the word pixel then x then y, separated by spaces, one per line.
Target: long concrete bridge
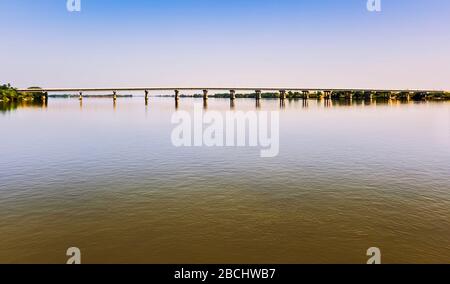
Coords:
pixel 305 92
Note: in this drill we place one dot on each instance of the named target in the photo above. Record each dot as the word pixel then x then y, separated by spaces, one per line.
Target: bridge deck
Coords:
pixel 73 90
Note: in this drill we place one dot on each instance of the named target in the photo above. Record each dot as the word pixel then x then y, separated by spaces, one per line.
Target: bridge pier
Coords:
pixel 282 95
pixel 368 95
pixel 408 96
pixel 177 95
pixel 305 95
pixel 232 95
pixel 327 95
pixel 80 96
pixel 258 95
pixel 404 96
pixel 146 97
pixel 349 96
pixel 205 95
pixel 114 96
pixel 45 98
pixel 232 104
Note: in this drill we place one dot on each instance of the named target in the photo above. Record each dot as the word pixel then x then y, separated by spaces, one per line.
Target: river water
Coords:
pixel 107 179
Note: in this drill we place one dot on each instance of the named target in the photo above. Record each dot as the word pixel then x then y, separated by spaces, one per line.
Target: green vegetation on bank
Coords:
pixel 9 94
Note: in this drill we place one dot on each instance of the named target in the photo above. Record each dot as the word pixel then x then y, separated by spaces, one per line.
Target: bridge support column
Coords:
pixel 258 95
pixel 349 96
pixel 146 96
pixel 232 104
pixel 177 95
pixel 305 95
pixel 205 95
pixel 368 95
pixel 81 96
pixel 408 97
pixel 282 95
pixel 232 95
pixel 327 95
pixel 114 96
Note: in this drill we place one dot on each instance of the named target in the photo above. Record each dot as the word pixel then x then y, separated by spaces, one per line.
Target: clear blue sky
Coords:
pixel 293 43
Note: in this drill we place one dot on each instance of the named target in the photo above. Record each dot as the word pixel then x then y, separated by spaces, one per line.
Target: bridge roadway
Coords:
pixel 150 89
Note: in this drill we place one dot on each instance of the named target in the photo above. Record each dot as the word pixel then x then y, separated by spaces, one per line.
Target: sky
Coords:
pixel 218 43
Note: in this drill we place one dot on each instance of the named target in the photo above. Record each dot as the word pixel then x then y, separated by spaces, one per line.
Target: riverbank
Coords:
pixel 10 94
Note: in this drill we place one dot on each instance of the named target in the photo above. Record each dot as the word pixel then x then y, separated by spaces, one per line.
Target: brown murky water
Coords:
pixel 109 181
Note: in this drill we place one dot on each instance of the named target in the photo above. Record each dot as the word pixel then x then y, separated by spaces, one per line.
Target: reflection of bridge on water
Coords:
pixel 282 93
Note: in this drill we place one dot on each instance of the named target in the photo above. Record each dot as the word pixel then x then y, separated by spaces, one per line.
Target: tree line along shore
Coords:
pixel 10 94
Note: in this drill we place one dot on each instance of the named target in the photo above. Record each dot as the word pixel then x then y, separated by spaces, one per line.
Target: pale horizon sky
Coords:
pixel 264 43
